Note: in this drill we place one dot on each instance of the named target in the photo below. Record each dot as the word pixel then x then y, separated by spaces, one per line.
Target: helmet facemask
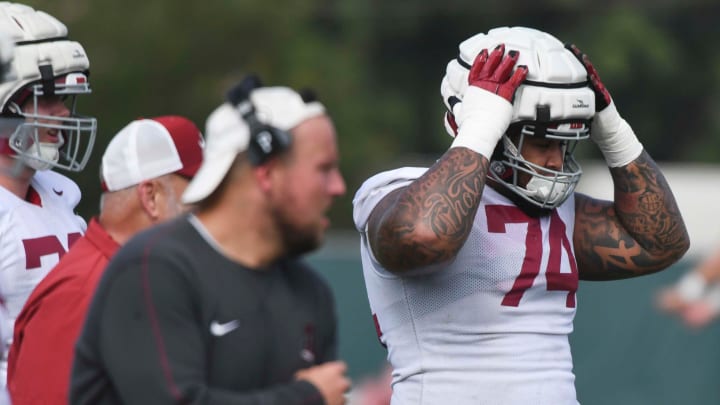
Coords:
pixel 75 133
pixel 554 102
pixel 546 188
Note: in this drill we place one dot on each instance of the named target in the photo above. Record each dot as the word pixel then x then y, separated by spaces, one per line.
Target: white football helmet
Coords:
pixel 44 63
pixel 555 102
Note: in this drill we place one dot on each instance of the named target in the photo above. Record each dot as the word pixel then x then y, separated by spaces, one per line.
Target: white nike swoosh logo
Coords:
pixel 221 329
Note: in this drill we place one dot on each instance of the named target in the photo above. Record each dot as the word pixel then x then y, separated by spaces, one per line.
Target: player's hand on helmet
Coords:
pixel 494 72
pixel 330 379
pixel 485 111
pixel 602 95
pixel 610 132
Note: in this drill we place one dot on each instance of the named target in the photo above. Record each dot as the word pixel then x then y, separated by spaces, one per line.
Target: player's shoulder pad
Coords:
pixel 378 186
pixel 57 186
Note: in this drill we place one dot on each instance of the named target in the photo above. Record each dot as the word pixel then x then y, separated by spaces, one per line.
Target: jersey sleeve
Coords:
pixel 374 189
pixel 150 338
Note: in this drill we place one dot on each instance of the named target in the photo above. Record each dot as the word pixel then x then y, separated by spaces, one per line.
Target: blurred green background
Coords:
pixel 377 65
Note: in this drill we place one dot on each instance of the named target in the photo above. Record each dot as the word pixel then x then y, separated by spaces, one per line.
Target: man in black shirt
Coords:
pixel 215 307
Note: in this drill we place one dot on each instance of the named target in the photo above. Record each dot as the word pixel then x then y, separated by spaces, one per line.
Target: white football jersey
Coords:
pixel 34 237
pixel 492 326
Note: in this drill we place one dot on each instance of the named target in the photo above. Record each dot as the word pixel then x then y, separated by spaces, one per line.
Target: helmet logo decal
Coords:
pixel 580 104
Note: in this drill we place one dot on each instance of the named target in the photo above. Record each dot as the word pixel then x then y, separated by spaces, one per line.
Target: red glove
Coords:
pixel 486 110
pixel 602 96
pixel 612 134
pixel 492 73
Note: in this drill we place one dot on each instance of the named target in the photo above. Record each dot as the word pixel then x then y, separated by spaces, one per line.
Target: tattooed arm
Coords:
pixel 641 232
pixel 428 221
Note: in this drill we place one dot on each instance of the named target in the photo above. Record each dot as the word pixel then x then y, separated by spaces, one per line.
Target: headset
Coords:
pixel 266 140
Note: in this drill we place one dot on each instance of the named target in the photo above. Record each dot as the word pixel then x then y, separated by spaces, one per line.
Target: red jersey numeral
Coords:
pixel 378 331
pixel 500 215
pixel 36 248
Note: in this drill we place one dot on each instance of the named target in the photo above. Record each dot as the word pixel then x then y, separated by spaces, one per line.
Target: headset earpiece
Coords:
pixel 266 141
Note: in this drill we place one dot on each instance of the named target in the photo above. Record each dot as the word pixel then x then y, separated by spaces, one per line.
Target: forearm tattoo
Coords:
pixel 642 232
pixel 429 221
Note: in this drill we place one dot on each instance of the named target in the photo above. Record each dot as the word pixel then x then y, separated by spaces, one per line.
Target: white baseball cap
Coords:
pixel 227 133
pixel 149 148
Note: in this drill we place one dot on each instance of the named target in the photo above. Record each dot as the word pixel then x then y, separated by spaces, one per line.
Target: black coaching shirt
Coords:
pixel 174 321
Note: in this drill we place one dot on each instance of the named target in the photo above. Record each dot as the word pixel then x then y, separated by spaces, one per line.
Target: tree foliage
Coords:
pixel 377 66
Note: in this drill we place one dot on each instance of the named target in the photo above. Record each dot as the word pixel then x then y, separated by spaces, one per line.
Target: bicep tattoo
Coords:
pixel 428 221
pixel 647 208
pixel 640 233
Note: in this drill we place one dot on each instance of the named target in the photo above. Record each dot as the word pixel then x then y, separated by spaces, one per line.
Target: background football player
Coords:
pixel 37 219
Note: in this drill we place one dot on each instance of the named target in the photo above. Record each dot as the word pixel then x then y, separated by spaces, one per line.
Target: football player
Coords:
pixel 471 265
pixel 37 219
pixel 6 55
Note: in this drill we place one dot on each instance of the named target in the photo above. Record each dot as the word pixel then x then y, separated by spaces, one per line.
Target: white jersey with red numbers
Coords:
pixel 33 237
pixel 491 327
